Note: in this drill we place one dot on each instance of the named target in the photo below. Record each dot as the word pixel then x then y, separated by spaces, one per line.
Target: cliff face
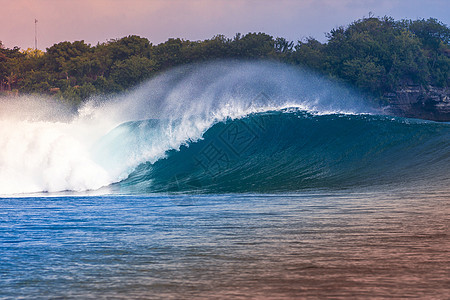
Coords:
pixel 417 102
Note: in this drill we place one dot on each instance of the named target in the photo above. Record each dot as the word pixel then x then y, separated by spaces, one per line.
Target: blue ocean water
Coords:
pixel 347 244
pixel 225 180
pixel 291 150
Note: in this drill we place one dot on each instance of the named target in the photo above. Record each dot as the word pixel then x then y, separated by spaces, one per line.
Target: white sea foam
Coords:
pixel 46 147
pixel 42 156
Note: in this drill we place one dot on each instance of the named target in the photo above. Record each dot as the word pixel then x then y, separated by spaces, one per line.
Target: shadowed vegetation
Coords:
pixel 376 55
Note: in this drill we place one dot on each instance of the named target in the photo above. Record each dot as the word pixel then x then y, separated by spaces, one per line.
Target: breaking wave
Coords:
pixel 228 126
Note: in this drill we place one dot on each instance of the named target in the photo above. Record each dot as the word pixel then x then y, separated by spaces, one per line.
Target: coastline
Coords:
pixel 414 101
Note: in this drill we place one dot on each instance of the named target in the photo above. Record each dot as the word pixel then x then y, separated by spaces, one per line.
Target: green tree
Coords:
pixel 126 47
pixel 77 93
pixel 216 48
pixel 60 54
pixel 168 54
pixel 431 32
pixel 131 71
pixel 253 45
pixel 310 53
pixel 375 55
pixel 36 82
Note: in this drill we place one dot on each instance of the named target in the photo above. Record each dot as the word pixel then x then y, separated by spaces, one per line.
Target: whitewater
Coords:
pixel 222 180
pixel 158 136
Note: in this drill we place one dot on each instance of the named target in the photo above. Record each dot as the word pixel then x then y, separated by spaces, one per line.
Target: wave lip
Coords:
pixel 215 127
pixel 292 150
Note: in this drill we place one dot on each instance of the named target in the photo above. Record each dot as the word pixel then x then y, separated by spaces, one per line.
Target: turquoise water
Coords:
pixel 279 204
pixel 291 150
pixel 341 244
pixel 223 180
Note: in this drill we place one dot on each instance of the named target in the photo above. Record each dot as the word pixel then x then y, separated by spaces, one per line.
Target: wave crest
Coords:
pixel 289 150
pixel 151 138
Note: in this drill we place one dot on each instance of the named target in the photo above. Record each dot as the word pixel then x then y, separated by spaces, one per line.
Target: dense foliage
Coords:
pixel 377 55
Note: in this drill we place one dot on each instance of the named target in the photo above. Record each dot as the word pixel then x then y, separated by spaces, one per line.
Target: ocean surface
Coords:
pixel 392 243
pixel 238 180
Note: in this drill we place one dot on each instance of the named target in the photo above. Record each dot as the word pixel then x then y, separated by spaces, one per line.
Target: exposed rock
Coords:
pixel 432 103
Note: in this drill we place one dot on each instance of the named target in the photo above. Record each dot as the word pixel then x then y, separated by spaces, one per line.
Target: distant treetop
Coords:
pixel 376 55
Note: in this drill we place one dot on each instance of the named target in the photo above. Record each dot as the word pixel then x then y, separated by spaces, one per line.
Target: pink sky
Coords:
pixel 100 20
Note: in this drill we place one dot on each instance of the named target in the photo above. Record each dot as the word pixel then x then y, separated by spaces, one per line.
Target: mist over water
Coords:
pixel 319 130
pixel 44 146
pixel 223 180
pixel 47 147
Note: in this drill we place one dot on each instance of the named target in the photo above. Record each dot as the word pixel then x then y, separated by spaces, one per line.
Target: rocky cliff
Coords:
pixel 431 103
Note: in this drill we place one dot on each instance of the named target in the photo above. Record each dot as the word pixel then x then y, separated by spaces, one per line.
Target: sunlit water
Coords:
pixel 341 244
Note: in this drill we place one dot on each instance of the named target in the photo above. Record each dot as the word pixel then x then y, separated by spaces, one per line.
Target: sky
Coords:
pixel 101 20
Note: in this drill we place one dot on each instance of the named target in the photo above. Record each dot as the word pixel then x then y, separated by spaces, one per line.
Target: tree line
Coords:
pixel 376 55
